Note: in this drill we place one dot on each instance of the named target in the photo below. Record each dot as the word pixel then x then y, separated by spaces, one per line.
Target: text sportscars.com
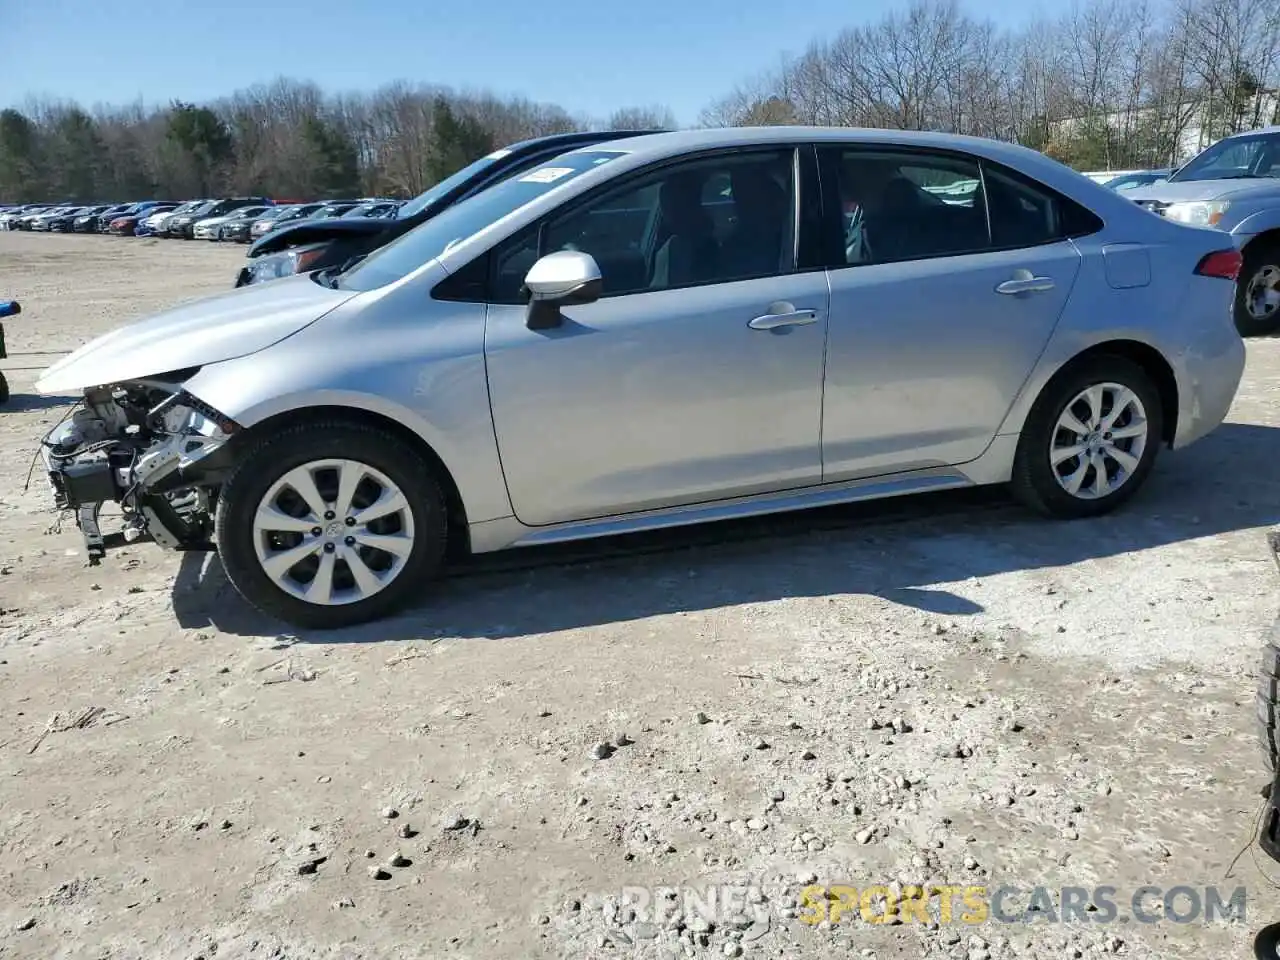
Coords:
pixel 965 904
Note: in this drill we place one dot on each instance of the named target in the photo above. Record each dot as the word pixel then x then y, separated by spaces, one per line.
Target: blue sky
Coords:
pixel 587 55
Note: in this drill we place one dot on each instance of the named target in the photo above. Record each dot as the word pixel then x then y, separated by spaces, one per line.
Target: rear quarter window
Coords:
pixel 1026 213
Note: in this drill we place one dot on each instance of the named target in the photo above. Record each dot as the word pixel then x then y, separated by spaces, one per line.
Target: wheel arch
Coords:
pixel 459 539
pixel 1270 235
pixel 1147 357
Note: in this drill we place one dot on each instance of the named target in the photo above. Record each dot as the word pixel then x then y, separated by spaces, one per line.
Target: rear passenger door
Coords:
pixel 950 275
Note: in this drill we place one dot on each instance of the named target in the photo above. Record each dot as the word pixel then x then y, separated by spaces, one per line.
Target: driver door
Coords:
pixel 662 392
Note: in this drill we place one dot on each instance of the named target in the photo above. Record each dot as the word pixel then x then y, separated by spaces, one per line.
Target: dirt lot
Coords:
pixel 941 691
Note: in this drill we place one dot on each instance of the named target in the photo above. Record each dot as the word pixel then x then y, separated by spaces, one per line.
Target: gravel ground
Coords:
pixel 940 691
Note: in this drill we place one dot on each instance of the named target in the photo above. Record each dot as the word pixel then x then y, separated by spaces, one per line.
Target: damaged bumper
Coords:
pixel 155 450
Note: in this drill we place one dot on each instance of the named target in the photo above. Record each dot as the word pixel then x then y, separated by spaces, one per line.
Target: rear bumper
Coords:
pixel 1206 389
pixel 1208 357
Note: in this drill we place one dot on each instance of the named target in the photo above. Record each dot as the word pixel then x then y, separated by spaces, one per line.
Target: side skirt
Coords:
pixel 993 466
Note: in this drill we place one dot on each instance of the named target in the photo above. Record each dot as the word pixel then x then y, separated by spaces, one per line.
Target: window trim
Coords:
pixel 804 176
pixel 828 157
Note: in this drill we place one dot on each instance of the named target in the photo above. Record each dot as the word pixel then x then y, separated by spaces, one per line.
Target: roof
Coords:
pixel 1273 130
pixel 658 145
pixel 684 140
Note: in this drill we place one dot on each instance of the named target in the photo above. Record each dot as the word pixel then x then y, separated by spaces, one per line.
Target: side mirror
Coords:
pixel 9 308
pixel 558 280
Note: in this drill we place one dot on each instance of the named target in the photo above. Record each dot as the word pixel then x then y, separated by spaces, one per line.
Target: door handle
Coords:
pixel 794 318
pixel 1025 285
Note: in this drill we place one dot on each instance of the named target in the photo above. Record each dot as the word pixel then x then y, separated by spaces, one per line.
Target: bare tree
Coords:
pixel 642 118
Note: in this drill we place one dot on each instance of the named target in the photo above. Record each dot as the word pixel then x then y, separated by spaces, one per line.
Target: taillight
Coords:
pixel 1224 264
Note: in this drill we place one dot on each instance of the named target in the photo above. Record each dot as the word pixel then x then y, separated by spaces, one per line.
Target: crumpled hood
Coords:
pixel 1204 190
pixel 222 327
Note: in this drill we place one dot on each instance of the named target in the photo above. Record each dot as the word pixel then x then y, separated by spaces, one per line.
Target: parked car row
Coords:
pixel 239 219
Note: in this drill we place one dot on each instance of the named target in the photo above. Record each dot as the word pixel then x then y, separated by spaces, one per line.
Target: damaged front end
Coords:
pixel 151 447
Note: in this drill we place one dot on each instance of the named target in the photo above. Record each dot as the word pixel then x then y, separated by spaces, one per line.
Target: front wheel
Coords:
pixel 330 524
pixel 1090 440
pixel 1257 304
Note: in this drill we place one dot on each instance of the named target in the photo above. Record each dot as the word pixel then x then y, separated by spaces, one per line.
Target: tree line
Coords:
pixel 287 139
pixel 1108 84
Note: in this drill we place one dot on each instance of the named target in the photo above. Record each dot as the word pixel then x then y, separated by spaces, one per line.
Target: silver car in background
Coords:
pixel 651 332
pixel 1233 186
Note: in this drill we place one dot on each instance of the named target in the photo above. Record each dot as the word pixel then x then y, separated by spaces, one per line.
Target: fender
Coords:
pixel 1256 223
pixel 428 377
pixel 1060 352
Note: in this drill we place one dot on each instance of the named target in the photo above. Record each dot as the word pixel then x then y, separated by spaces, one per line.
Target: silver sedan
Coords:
pixel 676 328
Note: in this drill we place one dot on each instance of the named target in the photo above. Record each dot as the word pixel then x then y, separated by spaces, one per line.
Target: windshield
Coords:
pixel 379 209
pixel 1133 180
pixel 460 221
pixel 334 210
pixel 424 200
pixel 1234 158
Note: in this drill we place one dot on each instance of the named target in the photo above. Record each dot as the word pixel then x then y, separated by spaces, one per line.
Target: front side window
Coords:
pixel 711 220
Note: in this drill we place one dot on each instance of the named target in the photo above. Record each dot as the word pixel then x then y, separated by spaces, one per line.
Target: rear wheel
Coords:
pixel 1090 440
pixel 330 524
pixel 1257 304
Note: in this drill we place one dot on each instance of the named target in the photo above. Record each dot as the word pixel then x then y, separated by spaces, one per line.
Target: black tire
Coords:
pixel 269 457
pixel 4 389
pixel 1267 699
pixel 1266 945
pixel 1034 481
pixel 1258 256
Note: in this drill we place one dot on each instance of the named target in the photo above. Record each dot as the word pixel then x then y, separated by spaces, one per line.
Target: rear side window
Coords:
pixel 898 205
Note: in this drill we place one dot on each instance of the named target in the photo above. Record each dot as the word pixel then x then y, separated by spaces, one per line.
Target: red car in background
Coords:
pixel 123 226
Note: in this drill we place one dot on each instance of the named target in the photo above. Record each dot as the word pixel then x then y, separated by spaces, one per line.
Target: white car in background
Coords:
pixel 156 223
pixel 209 229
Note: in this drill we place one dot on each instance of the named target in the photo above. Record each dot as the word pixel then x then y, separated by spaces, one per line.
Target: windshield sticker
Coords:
pixel 547 175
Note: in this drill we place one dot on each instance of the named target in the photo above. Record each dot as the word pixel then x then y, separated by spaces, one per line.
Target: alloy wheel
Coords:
pixel 1098 441
pixel 333 532
pixel 1262 295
